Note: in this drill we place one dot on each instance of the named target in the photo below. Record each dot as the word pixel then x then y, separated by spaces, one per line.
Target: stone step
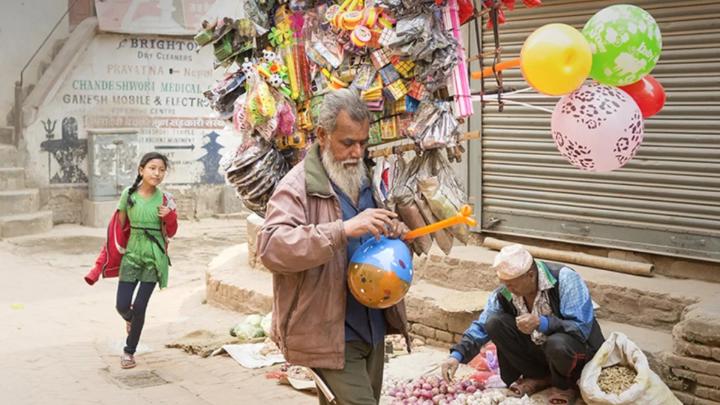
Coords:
pixel 22 201
pixel 439 314
pixel 6 135
pixel 25 224
pixel 450 310
pixel 695 361
pixel 8 156
pixel 57 47
pixel 42 68
pixel 231 283
pixel 655 302
pixel 12 178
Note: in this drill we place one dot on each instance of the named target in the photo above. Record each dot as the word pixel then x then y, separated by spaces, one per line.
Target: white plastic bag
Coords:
pixel 619 350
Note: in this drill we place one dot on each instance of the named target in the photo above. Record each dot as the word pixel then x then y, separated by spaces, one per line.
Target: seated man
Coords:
pixel 542 323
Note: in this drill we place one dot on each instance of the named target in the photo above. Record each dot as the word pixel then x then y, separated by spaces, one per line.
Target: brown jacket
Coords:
pixel 304 245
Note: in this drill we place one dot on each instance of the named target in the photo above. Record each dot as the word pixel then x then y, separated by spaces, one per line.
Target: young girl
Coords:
pixel 152 218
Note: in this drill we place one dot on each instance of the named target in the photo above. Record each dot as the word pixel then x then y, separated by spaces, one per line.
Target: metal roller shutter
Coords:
pixel 666 200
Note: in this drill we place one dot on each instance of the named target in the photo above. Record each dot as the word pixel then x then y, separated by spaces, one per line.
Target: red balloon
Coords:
pixel 649 95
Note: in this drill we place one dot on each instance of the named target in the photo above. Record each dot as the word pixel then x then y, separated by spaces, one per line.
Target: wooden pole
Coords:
pixel 584 259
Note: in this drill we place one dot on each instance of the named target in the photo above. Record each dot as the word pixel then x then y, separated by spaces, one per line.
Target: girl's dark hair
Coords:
pixel 145 159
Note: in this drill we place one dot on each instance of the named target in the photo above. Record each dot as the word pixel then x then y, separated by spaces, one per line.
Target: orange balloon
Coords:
pixel 464 216
pixel 513 63
pixel 555 59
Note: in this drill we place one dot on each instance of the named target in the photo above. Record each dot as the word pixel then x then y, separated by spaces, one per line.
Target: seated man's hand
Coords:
pixel 448 368
pixel 527 323
pixel 376 221
pixel 398 229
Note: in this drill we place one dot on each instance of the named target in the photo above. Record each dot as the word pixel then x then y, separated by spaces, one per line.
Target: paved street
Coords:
pixel 62 338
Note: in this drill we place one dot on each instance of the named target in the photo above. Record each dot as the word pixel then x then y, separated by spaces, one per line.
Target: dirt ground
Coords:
pixel 62 338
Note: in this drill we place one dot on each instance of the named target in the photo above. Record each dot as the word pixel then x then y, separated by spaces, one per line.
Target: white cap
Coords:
pixel 512 262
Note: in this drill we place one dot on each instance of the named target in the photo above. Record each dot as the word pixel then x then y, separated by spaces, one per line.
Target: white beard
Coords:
pixel 349 175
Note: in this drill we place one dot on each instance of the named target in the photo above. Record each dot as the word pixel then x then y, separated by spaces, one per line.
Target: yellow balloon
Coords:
pixel 555 59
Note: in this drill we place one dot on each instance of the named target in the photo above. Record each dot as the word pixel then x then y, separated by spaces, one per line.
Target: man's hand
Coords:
pixel 163 211
pixel 398 229
pixel 448 368
pixel 527 323
pixel 376 221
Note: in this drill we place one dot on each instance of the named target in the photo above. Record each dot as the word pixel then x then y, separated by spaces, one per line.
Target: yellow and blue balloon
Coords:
pixel 380 272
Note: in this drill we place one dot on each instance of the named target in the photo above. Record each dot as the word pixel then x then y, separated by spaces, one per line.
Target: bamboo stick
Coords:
pixel 323 388
pixel 400 149
pixel 584 259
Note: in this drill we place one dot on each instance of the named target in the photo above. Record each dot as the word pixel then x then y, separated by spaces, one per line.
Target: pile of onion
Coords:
pixel 432 390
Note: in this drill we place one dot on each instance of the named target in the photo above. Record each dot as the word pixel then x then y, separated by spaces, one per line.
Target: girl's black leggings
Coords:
pixel 133 311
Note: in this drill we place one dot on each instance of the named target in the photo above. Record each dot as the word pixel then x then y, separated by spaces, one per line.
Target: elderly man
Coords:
pixel 320 213
pixel 541 321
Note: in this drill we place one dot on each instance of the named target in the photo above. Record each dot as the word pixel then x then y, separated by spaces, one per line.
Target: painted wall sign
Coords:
pixel 68 151
pixel 152 85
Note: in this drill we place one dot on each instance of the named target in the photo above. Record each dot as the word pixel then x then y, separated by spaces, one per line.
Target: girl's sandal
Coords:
pixel 127 361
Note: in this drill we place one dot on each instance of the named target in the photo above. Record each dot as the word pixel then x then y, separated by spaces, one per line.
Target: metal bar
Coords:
pixel 604 215
pixel 18 114
pixel 19 99
pixel 692 209
pixel 45 40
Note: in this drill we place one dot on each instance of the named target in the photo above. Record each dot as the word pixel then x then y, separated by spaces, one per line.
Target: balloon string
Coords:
pixel 535 96
pixel 535 107
pixel 529 105
pixel 526 89
pixel 498 58
pixel 478 44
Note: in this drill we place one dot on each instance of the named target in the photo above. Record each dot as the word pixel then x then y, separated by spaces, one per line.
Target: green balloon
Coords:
pixel 625 41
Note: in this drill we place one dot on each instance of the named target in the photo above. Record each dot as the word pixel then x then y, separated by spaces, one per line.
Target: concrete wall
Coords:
pixel 23 26
pixel 70 204
pixel 150 86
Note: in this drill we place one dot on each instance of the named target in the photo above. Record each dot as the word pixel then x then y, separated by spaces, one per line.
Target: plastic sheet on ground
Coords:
pixel 248 355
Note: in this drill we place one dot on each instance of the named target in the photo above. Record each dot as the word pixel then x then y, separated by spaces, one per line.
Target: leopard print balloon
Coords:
pixel 597 127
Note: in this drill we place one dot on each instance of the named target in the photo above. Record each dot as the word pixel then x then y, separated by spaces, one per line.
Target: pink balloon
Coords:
pixel 597 127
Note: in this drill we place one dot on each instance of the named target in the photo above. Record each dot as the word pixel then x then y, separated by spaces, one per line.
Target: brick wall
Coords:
pixel 433 336
pixel 694 365
pixel 617 303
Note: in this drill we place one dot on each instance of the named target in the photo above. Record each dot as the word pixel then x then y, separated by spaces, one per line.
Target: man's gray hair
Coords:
pixel 342 100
